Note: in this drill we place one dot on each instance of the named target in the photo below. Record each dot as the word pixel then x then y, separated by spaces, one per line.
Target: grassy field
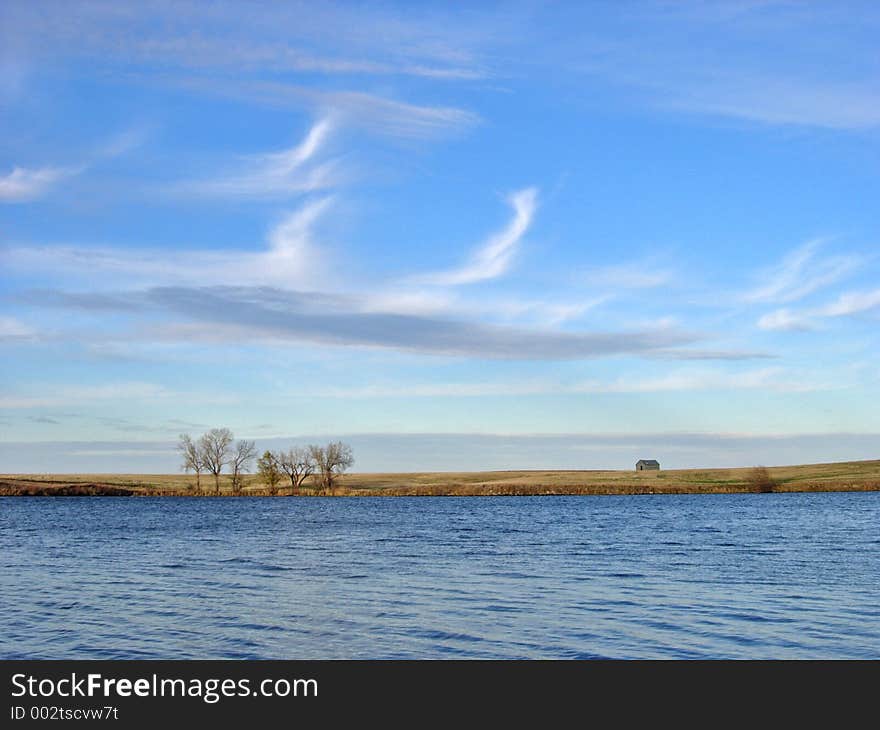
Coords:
pixel 848 476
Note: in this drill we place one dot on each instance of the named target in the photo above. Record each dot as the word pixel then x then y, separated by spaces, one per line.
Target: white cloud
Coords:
pixel 423 301
pixel 13 329
pixel 774 379
pixel 784 320
pixel 851 303
pixel 240 314
pixel 324 38
pixel 845 305
pixel 801 64
pixel 435 300
pixel 123 452
pixel 770 99
pixel 547 312
pixel 22 184
pixel 291 257
pixel 124 142
pixel 637 275
pixel 220 53
pixel 272 175
pixel 26 184
pixel 801 273
pixel 73 395
pixel 378 114
pixel 494 257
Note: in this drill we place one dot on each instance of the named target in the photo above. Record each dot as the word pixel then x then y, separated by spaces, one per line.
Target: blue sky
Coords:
pixel 585 232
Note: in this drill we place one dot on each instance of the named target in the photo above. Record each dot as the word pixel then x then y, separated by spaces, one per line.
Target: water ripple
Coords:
pixel 740 576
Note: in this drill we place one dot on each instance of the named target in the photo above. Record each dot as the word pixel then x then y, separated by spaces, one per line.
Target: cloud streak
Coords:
pixel 22 185
pixel 242 314
pixel 12 330
pixel 291 257
pixel 274 175
pixel 291 316
pixel 771 99
pixel 847 304
pixel 381 115
pixel 774 379
pixel 724 60
pixel 494 257
pixel 74 395
pixel 801 273
pixel 325 39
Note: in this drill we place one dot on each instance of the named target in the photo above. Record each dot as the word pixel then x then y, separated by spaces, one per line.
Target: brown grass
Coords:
pixel 760 480
pixel 849 476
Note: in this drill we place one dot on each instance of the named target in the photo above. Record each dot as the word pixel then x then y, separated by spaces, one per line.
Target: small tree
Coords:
pixel 298 463
pixel 214 447
pixel 759 480
pixel 192 458
pixel 244 454
pixel 332 461
pixel 269 471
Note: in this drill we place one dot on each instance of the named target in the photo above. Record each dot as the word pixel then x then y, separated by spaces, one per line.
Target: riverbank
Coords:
pixel 848 476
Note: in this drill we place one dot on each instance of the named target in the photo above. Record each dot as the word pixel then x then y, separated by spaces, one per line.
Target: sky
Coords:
pixel 457 235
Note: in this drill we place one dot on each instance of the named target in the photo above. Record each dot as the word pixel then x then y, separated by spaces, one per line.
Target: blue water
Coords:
pixel 745 576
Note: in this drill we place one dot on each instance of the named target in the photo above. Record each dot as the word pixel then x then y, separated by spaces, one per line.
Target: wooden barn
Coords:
pixel 647 465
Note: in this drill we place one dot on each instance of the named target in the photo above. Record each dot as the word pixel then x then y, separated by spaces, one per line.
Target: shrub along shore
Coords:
pixel 850 476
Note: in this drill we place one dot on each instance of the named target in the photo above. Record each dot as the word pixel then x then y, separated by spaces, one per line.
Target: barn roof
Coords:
pixel 648 461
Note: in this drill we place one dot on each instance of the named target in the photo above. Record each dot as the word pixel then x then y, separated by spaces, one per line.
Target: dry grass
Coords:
pixel 849 476
pixel 760 480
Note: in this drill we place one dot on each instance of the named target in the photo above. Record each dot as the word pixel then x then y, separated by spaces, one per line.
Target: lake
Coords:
pixel 684 576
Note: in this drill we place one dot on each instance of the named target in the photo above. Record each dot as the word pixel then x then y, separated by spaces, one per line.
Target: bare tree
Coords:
pixel 214 447
pixel 192 458
pixel 244 454
pixel 269 471
pixel 298 463
pixel 332 461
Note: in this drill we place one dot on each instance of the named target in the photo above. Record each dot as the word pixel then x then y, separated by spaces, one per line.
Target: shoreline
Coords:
pixel 56 494
pixel 862 476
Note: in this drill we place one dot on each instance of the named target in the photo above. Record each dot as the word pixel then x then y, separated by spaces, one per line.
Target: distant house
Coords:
pixel 647 465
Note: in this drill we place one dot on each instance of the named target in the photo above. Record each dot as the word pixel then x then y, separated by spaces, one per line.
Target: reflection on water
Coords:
pixel 751 576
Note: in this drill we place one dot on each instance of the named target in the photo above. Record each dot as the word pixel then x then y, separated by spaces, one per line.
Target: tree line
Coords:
pixel 217 449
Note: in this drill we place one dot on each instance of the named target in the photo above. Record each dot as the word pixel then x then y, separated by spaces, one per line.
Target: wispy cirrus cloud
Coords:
pixel 785 320
pixel 724 60
pixel 775 379
pixel 769 379
pixel 494 257
pixel 273 175
pixel 291 256
pixel 25 184
pixel 12 329
pixel 79 394
pixel 379 114
pixel 256 55
pixel 281 56
pixel 847 304
pixel 644 274
pixel 326 38
pixel 851 303
pixel 800 273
